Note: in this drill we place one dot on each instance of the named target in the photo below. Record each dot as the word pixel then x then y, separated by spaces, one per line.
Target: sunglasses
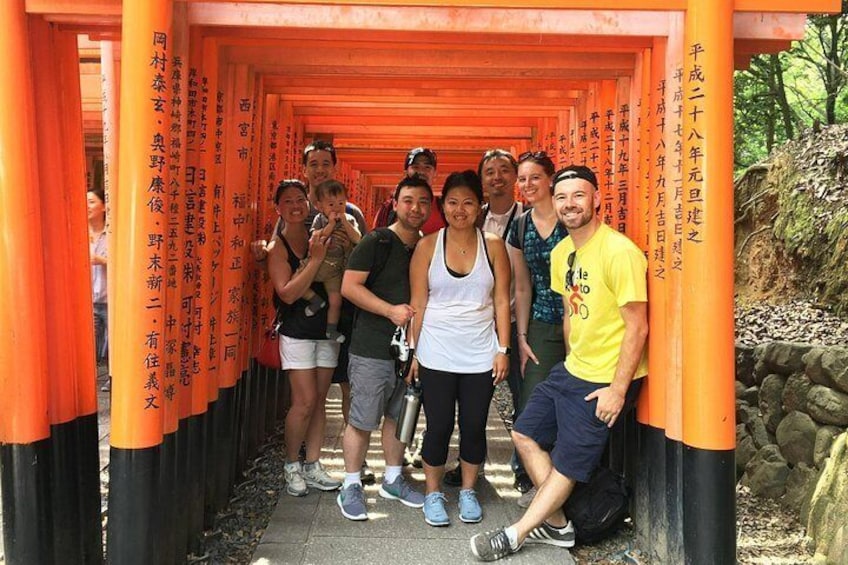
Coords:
pixel 535 155
pixel 569 275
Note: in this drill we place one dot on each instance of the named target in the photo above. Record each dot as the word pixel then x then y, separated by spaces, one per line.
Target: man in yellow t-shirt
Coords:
pixel 562 432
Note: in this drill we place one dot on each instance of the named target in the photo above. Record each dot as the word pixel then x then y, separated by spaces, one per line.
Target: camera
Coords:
pixel 399 346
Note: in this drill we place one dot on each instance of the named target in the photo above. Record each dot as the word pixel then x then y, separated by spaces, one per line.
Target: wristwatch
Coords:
pixel 504 349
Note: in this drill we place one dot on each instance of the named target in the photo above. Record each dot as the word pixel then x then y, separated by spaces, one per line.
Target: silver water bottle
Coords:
pixel 408 419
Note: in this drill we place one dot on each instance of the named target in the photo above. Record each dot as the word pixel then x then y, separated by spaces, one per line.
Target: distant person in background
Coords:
pixel 97 250
pixel 420 161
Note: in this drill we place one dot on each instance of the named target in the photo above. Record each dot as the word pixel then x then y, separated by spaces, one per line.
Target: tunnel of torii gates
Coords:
pixel 204 106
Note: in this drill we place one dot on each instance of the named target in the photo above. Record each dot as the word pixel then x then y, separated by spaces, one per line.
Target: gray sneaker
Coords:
pixel 399 489
pixel 351 500
pixel 525 499
pixel 547 534
pixel 316 477
pixel 295 485
pixel 491 546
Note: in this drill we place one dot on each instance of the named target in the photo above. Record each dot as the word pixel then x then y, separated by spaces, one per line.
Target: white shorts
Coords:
pixel 308 353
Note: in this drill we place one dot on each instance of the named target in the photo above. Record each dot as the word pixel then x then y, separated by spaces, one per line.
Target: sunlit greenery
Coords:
pixel 783 94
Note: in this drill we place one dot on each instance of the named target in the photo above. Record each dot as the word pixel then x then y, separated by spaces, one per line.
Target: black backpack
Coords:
pixel 598 508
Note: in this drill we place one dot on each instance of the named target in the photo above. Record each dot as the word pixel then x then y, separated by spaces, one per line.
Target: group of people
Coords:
pixel 541 294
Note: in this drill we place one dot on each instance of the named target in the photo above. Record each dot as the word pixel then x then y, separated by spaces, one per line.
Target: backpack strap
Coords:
pixel 521 227
pixel 381 255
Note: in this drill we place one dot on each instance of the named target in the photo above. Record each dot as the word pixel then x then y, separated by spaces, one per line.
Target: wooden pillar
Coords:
pixel 87 436
pixel 24 427
pixel 709 501
pixel 139 345
pixel 110 71
pixel 673 303
pixel 605 167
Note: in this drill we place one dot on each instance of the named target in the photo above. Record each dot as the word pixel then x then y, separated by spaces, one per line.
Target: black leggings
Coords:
pixel 440 391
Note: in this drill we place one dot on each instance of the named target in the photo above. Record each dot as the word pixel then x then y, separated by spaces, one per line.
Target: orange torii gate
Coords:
pixel 206 105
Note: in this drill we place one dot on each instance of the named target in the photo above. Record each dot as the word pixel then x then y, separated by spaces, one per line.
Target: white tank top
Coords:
pixel 458 330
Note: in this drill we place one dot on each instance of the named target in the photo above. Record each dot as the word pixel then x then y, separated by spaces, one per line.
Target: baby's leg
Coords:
pixel 334 311
pixel 315 302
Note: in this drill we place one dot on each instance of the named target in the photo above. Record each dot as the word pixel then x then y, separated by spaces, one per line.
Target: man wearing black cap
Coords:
pixel 564 428
pixel 421 161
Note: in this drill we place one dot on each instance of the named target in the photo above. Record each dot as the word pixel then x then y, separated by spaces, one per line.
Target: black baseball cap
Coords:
pixel 429 154
pixel 576 172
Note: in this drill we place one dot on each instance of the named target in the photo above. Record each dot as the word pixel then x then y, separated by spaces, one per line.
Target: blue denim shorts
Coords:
pixel 560 421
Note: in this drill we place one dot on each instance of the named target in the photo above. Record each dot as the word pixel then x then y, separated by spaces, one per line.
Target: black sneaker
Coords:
pixel 547 534
pixel 453 478
pixel 366 475
pixel 522 483
pixel 491 546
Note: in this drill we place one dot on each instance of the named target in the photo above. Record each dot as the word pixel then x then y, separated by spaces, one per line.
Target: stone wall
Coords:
pixel 792 414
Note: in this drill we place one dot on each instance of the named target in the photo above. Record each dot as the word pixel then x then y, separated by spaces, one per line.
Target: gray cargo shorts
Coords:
pixel 375 391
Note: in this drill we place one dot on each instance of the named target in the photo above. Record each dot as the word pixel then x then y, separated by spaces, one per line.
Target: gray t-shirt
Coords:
pixel 372 333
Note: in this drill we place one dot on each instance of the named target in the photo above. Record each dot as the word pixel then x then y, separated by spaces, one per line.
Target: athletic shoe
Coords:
pixel 491 546
pixel 545 533
pixel 522 482
pixel 453 478
pixel 295 484
pixel 525 499
pixel 400 490
pixel 366 475
pixel 434 510
pixel 316 477
pixel 351 500
pixel 469 509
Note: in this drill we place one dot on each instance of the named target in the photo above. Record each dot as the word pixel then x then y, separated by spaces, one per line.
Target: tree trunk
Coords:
pixel 779 90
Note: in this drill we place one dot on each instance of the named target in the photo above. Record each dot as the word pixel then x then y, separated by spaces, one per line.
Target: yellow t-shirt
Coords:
pixel 609 271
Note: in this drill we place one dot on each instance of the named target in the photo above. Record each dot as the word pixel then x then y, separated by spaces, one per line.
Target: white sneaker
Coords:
pixel 316 477
pixel 295 484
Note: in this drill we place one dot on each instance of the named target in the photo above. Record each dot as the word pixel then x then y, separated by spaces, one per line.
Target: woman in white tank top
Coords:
pixel 459 280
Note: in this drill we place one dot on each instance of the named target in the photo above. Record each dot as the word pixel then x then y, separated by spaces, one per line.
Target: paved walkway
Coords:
pixel 312 530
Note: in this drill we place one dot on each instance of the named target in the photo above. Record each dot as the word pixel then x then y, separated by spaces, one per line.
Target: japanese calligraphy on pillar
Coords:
pixel 659 190
pixel 194 175
pixel 677 169
pixel 695 91
pixel 216 240
pixel 607 168
pixel 594 144
pixel 177 247
pixel 271 180
pixel 622 164
pixel 156 205
pixel 583 129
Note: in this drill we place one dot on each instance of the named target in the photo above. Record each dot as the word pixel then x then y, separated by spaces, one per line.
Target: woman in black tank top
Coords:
pixel 307 355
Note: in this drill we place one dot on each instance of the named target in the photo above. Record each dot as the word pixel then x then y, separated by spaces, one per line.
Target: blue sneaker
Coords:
pixel 399 489
pixel 351 500
pixel 469 509
pixel 434 510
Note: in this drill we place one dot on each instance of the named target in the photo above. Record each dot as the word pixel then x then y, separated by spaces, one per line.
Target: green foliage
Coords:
pixel 781 94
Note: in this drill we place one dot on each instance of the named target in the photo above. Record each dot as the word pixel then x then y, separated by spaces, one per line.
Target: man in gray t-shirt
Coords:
pixel 376 281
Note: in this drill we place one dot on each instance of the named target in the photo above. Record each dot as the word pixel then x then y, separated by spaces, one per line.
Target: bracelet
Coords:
pixel 524 334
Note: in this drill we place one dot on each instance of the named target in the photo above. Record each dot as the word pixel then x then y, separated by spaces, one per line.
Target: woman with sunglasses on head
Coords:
pixel 308 356
pixel 459 282
pixel 538 310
